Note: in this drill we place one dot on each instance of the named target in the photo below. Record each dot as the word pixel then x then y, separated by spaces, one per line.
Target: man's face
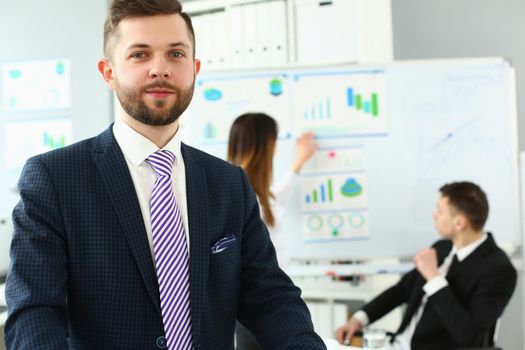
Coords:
pixel 152 69
pixel 445 218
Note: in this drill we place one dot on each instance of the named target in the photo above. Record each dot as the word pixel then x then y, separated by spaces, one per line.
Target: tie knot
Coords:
pixel 162 162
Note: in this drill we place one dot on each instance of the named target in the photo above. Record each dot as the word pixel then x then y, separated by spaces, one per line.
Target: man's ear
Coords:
pixel 461 222
pixel 106 70
pixel 197 66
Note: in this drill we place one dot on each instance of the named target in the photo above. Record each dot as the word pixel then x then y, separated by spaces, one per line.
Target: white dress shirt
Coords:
pixel 403 340
pixel 136 148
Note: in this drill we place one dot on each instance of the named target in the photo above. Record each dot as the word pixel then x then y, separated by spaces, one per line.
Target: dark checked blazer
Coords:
pixel 461 315
pixel 82 275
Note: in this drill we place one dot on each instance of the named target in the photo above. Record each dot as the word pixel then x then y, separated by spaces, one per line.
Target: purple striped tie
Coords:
pixel 171 255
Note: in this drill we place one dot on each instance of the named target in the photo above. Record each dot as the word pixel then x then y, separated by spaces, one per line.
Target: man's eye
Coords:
pixel 176 54
pixel 138 55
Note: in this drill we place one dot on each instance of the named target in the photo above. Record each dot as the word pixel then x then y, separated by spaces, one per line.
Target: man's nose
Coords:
pixel 159 69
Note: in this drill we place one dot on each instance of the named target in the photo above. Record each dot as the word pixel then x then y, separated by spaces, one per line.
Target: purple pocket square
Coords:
pixel 222 244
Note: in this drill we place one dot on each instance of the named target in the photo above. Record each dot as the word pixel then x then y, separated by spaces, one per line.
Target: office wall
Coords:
pixel 466 28
pixel 470 28
pixel 38 30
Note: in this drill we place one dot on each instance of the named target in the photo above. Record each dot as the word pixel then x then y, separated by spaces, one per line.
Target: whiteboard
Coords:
pixel 389 136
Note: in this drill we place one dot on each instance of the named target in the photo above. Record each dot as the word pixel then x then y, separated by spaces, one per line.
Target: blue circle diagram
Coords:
pixel 351 188
pixel 315 222
pixel 336 221
pixel 356 220
pixel 212 94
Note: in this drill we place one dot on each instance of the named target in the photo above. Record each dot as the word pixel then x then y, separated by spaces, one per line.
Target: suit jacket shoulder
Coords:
pixel 212 165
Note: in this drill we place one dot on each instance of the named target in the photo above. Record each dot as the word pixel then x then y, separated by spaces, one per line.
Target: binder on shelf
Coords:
pixel 338 41
pixel 236 37
pixel 263 35
pixel 277 28
pixel 250 51
pixel 207 41
pixel 219 39
pixel 201 40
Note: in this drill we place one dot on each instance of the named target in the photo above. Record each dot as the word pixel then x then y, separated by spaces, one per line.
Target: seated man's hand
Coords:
pixel 346 332
pixel 427 263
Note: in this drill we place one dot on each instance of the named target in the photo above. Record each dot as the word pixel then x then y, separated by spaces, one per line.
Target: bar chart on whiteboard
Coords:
pixel 337 104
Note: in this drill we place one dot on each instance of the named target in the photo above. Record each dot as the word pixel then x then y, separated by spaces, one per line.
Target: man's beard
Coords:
pixel 131 102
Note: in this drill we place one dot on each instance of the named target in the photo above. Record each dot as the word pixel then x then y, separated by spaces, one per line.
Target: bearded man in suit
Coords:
pixel 134 240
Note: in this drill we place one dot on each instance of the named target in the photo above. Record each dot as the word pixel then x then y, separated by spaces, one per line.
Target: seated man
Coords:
pixel 459 287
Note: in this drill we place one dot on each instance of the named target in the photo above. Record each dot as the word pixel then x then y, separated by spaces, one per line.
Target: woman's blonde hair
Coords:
pixel 251 146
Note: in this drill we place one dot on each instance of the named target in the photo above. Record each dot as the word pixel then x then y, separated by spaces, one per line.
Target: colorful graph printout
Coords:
pixel 335 225
pixel 217 102
pixel 333 192
pixel 335 160
pixel 26 139
pixel 346 103
pixel 38 85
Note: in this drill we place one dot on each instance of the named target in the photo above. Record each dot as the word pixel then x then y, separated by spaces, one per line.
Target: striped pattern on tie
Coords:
pixel 171 255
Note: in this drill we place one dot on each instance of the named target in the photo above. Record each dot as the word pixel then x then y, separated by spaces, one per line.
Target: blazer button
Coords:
pixel 161 342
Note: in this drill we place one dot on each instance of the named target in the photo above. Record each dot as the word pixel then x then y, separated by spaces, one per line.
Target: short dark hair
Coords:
pixel 470 200
pixel 123 9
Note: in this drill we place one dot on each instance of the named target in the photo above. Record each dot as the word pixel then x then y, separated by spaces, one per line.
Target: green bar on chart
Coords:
pixel 315 196
pixel 330 191
pixel 358 102
pixel 375 105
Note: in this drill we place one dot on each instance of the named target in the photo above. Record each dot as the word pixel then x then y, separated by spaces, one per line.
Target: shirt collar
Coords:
pixel 136 148
pixel 462 253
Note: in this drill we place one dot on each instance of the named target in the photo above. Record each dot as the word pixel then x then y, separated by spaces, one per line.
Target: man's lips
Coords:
pixel 159 93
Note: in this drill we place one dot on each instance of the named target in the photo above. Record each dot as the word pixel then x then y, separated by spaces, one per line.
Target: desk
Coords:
pixel 332 344
pixel 318 270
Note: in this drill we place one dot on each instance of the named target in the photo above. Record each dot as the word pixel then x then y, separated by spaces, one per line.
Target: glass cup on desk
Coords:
pixel 374 339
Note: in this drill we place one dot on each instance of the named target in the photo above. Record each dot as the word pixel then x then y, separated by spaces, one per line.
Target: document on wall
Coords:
pixel 36 85
pixel 25 139
pixel 333 189
pixel 342 103
pixel 218 101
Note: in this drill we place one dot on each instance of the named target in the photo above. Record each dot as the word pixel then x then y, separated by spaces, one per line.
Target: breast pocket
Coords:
pixel 225 258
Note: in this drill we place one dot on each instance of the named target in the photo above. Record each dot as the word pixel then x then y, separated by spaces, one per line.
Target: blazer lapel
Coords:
pixel 116 177
pixel 198 211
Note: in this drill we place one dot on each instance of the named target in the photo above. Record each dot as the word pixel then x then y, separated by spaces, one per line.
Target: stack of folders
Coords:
pixel 243 36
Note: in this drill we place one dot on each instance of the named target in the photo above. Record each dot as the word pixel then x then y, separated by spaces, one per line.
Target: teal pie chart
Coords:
pixel 351 188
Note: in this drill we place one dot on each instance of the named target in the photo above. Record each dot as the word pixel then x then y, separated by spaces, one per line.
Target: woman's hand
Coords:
pixel 304 150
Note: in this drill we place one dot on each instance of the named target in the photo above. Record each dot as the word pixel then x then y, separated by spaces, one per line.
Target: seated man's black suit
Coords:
pixel 462 314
